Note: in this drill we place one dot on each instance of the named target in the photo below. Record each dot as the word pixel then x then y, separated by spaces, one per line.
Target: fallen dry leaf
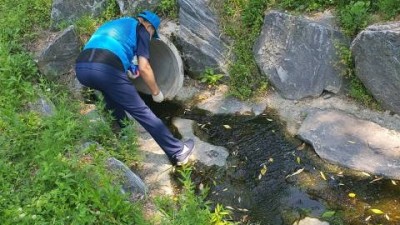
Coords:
pixel 227 127
pixel 352 195
pixel 295 173
pixel 377 211
pixel 322 175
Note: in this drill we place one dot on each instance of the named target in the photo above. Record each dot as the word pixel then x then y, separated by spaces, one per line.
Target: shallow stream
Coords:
pixel 273 179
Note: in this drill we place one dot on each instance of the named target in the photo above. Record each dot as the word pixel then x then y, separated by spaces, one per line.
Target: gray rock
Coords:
pixel 299 56
pixel 76 88
pixel 59 56
pixel 199 38
pixel 353 143
pixel 68 11
pixel 131 183
pixel 204 152
pixel 376 51
pixel 42 106
pixel 132 8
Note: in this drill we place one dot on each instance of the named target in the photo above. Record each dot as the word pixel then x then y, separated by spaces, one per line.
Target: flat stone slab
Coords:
pixel 156 168
pixel 353 143
pixel 204 152
pixel 220 103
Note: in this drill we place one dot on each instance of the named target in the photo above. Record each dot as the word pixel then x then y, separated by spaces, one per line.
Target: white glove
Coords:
pixel 130 75
pixel 158 98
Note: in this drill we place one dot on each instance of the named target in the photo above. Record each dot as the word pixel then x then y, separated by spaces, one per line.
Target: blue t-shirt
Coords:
pixel 143 42
pixel 118 36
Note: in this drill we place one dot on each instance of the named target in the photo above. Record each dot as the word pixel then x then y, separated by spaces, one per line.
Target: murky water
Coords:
pixel 272 179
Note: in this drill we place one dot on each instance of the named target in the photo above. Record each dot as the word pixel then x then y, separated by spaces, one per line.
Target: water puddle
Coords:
pixel 273 179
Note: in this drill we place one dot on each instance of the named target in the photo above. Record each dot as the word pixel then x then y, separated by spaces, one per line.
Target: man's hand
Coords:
pixel 132 72
pixel 159 97
pixel 146 72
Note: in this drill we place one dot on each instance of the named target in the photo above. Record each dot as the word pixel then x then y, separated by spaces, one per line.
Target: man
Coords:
pixel 104 63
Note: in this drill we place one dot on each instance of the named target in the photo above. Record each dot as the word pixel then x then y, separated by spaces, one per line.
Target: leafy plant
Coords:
pixel 354 17
pixel 168 8
pixel 218 217
pixel 210 77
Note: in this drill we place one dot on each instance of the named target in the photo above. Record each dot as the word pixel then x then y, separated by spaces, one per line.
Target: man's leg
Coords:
pixel 122 96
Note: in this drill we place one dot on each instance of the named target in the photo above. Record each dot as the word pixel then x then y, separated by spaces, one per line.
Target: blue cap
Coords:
pixel 153 19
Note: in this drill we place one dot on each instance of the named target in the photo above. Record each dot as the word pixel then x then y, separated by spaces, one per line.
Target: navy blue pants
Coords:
pixel 121 95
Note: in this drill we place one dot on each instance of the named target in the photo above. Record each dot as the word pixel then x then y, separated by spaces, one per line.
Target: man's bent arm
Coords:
pixel 146 72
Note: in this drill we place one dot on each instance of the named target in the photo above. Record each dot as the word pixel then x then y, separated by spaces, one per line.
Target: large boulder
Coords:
pixel 199 38
pixel 60 54
pixel 376 51
pixel 353 143
pixel 68 11
pixel 299 55
pixel 128 7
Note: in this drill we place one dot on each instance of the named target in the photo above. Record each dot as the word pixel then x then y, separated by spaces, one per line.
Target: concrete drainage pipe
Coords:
pixel 167 66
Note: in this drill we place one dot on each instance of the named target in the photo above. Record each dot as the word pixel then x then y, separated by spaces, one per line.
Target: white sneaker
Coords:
pixel 183 157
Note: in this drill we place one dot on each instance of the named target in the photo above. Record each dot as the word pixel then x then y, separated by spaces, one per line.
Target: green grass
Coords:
pixel 46 179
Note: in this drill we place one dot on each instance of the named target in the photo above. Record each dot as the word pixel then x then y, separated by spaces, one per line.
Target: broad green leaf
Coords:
pixel 295 173
pixel 328 214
